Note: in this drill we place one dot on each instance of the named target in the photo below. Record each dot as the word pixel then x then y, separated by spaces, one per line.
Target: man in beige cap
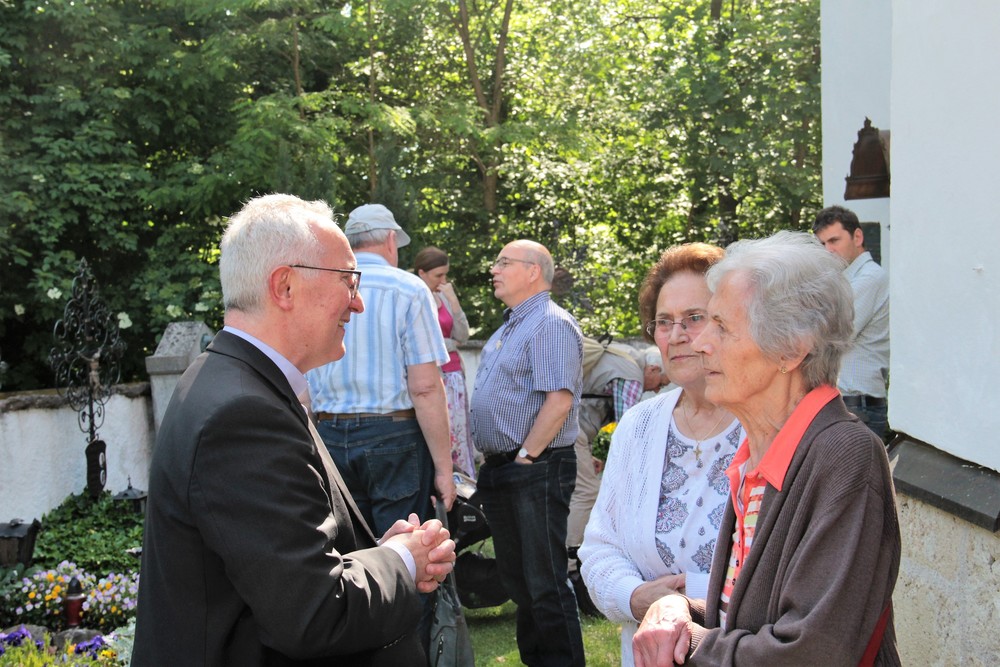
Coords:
pixel 382 411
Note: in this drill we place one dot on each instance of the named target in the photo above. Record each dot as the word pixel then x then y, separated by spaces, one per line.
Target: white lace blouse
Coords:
pixel 658 510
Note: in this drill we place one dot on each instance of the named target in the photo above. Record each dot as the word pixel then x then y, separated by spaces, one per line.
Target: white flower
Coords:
pixel 200 307
pixel 18 309
pixel 54 293
pixel 174 310
pixel 124 321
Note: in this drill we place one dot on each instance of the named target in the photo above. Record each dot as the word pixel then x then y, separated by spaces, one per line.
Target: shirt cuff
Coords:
pixel 404 553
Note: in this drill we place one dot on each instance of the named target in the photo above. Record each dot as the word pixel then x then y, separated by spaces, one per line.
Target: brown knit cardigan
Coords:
pixel 823 563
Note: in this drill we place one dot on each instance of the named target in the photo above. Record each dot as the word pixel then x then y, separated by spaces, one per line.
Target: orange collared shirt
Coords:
pixel 747 487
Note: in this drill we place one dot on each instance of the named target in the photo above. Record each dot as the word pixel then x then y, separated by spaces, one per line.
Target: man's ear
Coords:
pixel 859 238
pixel 280 286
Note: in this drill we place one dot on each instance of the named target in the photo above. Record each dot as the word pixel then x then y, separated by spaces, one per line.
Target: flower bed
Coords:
pixel 20 648
pixel 109 602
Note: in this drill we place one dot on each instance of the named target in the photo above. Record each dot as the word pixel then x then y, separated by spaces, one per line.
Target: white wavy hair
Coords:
pixel 799 298
pixel 269 231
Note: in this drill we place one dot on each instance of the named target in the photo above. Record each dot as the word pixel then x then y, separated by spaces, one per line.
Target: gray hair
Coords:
pixel 268 232
pixel 653 356
pixel 367 239
pixel 538 254
pixel 799 298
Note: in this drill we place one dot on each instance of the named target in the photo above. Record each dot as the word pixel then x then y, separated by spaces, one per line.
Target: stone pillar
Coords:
pixel 181 343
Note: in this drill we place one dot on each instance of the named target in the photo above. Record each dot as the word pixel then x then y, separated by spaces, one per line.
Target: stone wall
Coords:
pixel 947 598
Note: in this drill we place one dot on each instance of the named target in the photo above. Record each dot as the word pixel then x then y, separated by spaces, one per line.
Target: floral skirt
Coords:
pixel 463 455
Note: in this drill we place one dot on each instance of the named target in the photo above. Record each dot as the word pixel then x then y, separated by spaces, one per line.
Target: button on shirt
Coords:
pixel 865 366
pixel 399 328
pixel 538 349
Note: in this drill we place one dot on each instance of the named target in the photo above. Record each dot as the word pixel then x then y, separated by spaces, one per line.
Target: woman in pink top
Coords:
pixel 431 264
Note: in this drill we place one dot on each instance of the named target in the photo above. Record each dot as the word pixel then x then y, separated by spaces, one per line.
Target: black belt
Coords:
pixel 494 460
pixel 864 401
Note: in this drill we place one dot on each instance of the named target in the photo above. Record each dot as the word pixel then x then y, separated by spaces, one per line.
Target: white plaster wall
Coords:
pixel 42 457
pixel 856 69
pixel 945 279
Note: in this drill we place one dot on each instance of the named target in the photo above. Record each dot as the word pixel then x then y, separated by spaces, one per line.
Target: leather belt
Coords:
pixel 494 460
pixel 864 401
pixel 395 415
pixel 503 458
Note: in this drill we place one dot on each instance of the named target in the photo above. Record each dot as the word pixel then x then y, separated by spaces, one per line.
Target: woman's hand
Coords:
pixel 651 591
pixel 664 637
pixel 448 292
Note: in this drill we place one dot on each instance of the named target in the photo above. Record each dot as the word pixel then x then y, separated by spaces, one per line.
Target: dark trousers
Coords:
pixel 875 417
pixel 527 507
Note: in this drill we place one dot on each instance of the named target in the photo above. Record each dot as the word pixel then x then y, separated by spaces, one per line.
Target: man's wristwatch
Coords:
pixel 523 454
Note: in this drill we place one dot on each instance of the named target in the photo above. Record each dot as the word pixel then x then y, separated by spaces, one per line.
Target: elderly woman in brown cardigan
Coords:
pixel 808 550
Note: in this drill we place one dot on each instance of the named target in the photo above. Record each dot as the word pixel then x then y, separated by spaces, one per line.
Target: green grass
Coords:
pixel 494 632
pixel 494 637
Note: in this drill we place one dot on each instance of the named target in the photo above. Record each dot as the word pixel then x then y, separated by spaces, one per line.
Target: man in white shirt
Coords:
pixel 865 369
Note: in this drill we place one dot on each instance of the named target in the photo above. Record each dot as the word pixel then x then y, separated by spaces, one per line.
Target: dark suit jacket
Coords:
pixel 254 553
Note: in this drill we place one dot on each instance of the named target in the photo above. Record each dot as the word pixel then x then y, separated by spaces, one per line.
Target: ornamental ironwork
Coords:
pixel 86 360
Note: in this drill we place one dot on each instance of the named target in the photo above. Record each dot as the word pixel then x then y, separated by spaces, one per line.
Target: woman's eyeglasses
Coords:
pixel 692 324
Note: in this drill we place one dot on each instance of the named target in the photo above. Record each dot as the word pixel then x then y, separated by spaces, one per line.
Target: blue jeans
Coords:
pixel 390 473
pixel 386 466
pixel 875 417
pixel 527 507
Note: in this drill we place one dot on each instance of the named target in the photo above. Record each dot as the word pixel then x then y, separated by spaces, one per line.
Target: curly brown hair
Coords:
pixel 694 257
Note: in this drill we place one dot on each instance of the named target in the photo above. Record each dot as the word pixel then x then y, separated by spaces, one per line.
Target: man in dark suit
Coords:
pixel 254 552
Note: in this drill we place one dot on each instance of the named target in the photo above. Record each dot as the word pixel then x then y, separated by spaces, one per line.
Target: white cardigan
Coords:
pixel 619 545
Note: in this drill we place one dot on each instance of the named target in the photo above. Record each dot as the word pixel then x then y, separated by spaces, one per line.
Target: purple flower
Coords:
pixel 91 647
pixel 16 638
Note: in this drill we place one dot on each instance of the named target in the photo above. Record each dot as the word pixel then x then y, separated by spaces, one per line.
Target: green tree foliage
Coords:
pixel 607 129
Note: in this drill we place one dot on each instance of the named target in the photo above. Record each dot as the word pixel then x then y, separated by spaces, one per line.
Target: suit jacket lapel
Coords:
pixel 234 346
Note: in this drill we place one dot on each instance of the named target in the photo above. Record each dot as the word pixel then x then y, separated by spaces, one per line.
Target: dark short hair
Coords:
pixel 694 257
pixel 430 258
pixel 834 214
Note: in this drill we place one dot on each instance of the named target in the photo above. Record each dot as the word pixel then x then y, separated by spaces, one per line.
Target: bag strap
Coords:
pixel 875 642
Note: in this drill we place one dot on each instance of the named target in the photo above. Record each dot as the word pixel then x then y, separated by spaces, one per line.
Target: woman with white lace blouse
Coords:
pixel 653 529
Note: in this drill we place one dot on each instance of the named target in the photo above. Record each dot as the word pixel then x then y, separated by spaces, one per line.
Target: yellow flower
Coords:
pixel 70 648
pixel 50 576
pixel 32 595
pixel 602 441
pixel 56 589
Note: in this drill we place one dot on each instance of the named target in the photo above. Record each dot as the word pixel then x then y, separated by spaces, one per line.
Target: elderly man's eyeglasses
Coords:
pixel 353 284
pixel 503 262
pixel 692 324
